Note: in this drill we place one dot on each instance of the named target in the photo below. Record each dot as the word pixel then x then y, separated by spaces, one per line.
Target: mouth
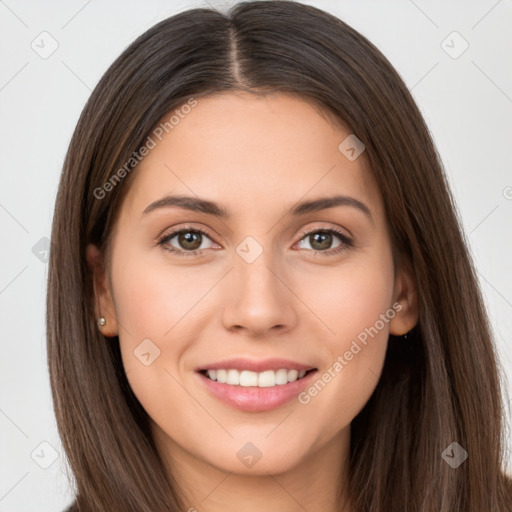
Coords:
pixel 247 378
pixel 255 392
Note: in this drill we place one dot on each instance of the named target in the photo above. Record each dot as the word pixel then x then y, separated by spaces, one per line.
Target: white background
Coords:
pixel 467 103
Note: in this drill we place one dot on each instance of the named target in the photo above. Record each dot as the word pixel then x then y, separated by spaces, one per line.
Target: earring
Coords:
pixel 102 321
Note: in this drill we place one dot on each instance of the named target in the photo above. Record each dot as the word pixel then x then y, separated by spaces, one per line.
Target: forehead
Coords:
pixel 248 152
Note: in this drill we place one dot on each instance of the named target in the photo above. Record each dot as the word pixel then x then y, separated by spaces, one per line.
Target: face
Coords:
pixel 186 289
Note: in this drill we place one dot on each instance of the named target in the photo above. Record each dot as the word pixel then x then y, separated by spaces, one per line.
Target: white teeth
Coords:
pixel 281 377
pixel 247 378
pixel 264 379
pixel 293 375
pixel 233 378
pixel 267 379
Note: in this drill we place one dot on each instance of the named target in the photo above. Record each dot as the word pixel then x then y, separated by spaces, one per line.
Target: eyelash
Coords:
pixel 346 243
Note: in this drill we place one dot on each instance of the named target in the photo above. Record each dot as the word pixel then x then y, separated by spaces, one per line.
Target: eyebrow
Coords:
pixel 197 204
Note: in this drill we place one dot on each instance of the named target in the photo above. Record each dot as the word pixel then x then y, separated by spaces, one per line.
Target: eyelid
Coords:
pixel 325 227
pixel 185 227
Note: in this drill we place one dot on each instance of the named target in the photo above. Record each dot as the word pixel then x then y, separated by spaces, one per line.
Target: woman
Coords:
pixel 259 295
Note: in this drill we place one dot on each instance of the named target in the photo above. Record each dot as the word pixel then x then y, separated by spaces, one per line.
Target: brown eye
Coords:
pixel 190 240
pixel 322 240
pixel 185 241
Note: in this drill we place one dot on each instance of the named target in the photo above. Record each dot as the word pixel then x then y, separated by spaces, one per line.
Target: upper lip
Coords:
pixel 254 365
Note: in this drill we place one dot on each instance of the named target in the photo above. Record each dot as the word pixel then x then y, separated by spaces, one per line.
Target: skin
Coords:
pixel 257 157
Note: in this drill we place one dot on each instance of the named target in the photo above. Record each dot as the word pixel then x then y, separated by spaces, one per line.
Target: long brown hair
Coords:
pixel 440 387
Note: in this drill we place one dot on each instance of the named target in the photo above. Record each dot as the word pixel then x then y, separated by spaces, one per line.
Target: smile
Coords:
pixel 246 378
pixel 255 391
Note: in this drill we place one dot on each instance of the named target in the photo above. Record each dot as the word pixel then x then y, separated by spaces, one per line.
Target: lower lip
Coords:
pixel 253 398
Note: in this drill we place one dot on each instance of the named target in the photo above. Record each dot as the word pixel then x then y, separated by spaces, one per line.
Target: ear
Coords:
pixel 405 293
pixel 103 303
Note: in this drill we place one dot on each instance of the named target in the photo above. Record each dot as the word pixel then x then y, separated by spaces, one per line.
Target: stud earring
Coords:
pixel 102 321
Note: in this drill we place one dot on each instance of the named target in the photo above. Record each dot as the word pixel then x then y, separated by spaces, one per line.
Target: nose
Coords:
pixel 259 299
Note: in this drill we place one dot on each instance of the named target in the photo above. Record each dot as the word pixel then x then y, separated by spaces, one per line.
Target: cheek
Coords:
pixel 154 306
pixel 160 311
pixel 352 297
pixel 149 303
pixel 151 299
pixel 356 305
